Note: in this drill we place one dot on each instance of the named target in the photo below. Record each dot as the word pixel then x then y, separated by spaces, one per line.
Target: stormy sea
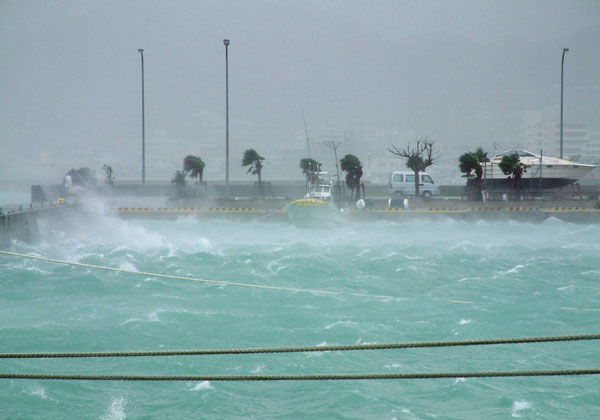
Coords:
pixel 192 284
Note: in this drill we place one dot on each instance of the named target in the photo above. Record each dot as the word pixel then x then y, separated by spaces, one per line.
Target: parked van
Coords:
pixel 403 183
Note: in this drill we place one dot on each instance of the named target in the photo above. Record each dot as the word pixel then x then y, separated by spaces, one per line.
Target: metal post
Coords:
pixel 141 51
pixel 541 166
pixel 226 42
pixel 306 131
pixel 562 68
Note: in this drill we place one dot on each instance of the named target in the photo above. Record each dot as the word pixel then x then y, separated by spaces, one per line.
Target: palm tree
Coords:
pixel 254 162
pixel 179 178
pixel 179 181
pixel 110 179
pixel 470 165
pixel 309 168
pixel 511 165
pixel 353 168
pixel 194 166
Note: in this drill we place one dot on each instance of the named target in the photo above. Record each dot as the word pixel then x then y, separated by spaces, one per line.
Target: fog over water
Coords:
pixel 365 73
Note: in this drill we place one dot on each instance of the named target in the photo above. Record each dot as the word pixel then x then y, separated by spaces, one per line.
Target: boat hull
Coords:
pixel 314 213
pixel 492 184
pixel 550 175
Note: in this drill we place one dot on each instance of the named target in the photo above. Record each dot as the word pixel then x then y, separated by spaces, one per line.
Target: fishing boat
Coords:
pixel 316 209
pixel 541 172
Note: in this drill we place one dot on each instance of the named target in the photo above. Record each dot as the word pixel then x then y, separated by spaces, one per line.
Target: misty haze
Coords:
pixel 392 203
pixel 368 74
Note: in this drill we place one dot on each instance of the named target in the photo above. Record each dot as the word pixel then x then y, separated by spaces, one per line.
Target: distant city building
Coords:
pixel 542 134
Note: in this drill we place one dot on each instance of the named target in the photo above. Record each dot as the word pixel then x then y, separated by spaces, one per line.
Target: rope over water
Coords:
pixel 333 377
pixel 166 276
pixel 204 352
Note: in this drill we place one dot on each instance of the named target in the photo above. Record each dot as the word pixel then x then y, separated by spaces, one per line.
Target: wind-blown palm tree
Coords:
pixel 353 168
pixel 254 162
pixel 178 179
pixel 110 179
pixel 309 168
pixel 194 166
pixel 511 165
pixel 470 165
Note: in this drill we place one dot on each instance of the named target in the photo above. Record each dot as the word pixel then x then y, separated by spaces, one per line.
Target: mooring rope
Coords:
pixel 166 276
pixel 306 349
pixel 332 377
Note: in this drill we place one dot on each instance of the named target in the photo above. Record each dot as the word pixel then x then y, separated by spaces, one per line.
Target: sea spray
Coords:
pixel 447 280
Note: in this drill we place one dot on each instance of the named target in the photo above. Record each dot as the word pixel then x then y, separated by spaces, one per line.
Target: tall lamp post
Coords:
pixel 226 42
pixel 562 70
pixel 141 51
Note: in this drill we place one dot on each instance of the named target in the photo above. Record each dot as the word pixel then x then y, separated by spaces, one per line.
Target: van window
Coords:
pixel 397 178
pixel 410 178
pixel 426 179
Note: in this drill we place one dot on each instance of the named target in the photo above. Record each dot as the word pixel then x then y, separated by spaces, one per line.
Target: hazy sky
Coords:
pixel 460 72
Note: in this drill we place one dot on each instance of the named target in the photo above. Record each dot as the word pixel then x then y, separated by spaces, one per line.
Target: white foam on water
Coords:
pixel 338 323
pixel 464 246
pixel 116 409
pixel 126 265
pixel 518 406
pixel 202 386
pixel 515 269
pixel 393 366
pixel 39 392
pixel 258 369
pixel 335 319
pixel 275 266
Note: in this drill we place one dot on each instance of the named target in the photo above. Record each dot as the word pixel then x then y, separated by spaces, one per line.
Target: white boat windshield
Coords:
pixel 518 152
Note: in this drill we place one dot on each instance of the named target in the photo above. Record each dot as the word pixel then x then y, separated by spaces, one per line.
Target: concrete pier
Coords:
pixel 20 222
pixel 17 224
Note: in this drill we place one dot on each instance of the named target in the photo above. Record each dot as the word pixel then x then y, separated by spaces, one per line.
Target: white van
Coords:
pixel 403 183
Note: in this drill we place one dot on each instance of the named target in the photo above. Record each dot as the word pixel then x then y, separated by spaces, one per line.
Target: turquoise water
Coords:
pixel 511 279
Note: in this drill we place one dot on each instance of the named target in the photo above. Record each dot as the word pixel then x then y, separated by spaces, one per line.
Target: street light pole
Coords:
pixel 562 69
pixel 226 42
pixel 141 51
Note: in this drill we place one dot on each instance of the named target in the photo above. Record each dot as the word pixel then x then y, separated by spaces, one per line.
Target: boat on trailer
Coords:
pixel 541 172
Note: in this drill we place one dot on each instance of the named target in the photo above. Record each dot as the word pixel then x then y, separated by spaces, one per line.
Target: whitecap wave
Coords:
pixel 518 406
pixel 338 323
pixel 258 369
pixel 515 269
pixel 202 386
pixel 126 265
pixel 38 391
pixel 393 366
pixel 116 410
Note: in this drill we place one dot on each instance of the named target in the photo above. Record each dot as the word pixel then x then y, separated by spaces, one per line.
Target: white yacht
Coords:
pixel 541 172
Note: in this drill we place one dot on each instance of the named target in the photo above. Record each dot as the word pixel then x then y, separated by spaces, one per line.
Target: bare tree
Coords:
pixel 418 157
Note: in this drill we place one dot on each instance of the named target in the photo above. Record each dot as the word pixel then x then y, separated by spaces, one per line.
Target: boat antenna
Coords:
pixel 334 146
pixel 306 132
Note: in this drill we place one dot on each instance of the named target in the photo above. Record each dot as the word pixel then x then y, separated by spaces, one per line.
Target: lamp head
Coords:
pixel 226 42
pixel 565 50
pixel 140 50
